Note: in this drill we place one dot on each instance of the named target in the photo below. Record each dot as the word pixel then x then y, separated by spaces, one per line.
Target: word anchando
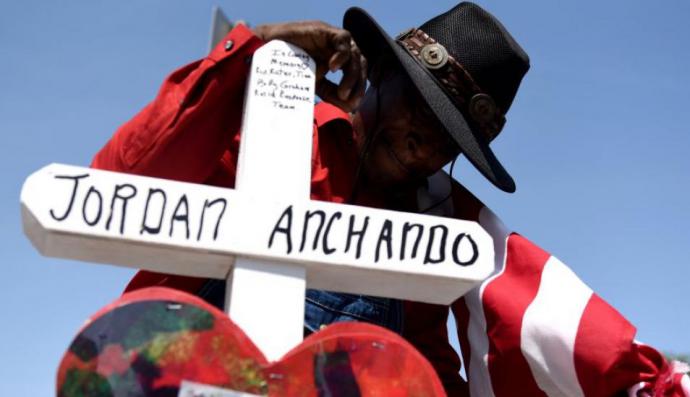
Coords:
pixel 437 244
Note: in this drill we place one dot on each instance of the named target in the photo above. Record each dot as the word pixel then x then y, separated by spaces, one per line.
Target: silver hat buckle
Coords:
pixel 434 56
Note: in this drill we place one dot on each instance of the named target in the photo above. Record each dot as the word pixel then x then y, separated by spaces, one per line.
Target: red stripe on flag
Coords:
pixel 505 300
pixel 677 388
pixel 604 340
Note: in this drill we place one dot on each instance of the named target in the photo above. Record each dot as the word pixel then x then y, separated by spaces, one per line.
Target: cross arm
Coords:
pixel 196 230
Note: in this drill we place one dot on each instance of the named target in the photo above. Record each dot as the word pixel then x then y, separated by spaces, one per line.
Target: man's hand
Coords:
pixel 332 49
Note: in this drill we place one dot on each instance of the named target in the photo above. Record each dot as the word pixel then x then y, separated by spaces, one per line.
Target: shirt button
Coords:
pixel 228 45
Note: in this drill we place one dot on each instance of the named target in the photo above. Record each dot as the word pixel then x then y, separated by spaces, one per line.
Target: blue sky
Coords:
pixel 596 141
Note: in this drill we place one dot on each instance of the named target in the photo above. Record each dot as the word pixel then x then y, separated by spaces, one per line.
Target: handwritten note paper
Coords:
pixel 278 114
pixel 286 80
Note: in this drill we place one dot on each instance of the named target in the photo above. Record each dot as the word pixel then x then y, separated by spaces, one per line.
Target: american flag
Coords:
pixel 533 328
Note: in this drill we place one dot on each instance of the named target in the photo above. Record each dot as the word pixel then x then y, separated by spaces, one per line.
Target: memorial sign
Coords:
pixel 265 237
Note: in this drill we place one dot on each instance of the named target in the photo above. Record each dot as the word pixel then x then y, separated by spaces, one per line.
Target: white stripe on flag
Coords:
pixel 549 328
pixel 685 384
pixel 632 392
pixel 478 368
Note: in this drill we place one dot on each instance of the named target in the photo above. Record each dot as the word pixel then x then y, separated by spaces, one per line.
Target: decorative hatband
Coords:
pixel 455 81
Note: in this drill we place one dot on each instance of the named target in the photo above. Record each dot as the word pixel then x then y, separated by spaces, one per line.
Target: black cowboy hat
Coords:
pixel 466 66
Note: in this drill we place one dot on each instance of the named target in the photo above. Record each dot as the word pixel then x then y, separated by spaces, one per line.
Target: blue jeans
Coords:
pixel 324 307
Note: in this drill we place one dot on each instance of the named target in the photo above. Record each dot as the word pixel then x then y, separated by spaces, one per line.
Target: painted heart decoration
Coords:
pixel 149 341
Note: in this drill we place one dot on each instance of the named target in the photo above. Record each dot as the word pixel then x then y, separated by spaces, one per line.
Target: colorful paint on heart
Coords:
pixel 149 341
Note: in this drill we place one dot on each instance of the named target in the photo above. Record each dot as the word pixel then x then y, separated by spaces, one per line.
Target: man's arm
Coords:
pixel 196 115
pixel 185 130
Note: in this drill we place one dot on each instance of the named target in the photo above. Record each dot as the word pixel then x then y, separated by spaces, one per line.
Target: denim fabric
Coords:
pixel 213 292
pixel 323 307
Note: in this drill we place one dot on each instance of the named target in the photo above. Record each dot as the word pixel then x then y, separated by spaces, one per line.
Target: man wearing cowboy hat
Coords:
pixel 436 91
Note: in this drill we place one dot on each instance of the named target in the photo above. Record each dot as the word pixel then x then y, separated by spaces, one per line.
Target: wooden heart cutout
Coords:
pixel 148 341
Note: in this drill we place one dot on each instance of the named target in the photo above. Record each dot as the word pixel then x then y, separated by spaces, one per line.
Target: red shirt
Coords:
pixel 191 132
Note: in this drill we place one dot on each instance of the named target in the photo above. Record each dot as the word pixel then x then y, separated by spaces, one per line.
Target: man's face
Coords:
pixel 407 142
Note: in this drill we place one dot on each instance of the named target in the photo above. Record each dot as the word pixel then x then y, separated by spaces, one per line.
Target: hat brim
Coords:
pixel 372 40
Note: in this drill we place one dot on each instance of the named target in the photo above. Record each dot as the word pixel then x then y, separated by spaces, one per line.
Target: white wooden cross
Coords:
pixel 266 238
